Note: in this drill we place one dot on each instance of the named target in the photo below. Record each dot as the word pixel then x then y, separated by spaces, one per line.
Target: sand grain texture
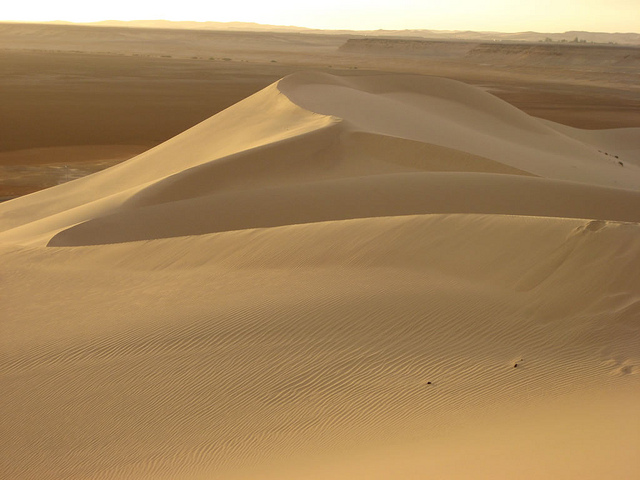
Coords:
pixel 370 277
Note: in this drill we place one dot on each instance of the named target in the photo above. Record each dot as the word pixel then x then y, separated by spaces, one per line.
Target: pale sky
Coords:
pixel 495 15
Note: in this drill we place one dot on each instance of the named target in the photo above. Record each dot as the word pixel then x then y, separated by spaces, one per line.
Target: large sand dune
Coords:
pixel 374 277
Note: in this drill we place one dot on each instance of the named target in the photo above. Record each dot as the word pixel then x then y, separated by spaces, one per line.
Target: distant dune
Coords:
pixel 368 277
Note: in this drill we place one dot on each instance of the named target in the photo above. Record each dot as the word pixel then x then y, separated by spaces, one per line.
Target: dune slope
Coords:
pixel 324 138
pixel 364 278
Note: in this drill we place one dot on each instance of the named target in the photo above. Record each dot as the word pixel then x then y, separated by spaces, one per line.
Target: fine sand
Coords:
pixel 364 277
pixel 77 99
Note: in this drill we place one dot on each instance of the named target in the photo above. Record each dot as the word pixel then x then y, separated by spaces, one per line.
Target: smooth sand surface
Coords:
pixel 371 277
pixel 81 89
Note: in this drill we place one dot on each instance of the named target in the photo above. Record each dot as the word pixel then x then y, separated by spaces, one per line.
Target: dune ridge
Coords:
pixel 364 278
pixel 313 134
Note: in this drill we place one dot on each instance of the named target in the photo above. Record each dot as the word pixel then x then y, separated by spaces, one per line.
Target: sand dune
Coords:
pixel 373 277
pixel 325 140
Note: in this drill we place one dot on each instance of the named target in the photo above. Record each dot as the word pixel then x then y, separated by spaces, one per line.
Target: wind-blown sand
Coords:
pixel 369 277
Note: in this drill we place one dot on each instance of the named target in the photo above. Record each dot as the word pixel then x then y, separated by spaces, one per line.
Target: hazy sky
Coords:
pixel 498 15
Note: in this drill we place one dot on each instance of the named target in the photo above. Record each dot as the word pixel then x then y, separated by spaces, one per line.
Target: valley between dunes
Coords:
pixel 371 277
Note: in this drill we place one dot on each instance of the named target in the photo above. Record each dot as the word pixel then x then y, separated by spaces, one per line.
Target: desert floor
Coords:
pixel 314 264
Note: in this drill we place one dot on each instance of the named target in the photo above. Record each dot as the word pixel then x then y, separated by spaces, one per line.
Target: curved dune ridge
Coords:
pixel 315 147
pixel 337 278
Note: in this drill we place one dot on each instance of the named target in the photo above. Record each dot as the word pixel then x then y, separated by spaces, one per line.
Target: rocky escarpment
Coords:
pixel 544 54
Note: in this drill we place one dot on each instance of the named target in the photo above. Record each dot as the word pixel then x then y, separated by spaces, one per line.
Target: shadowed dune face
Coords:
pixel 336 278
pixel 73 95
pixel 308 147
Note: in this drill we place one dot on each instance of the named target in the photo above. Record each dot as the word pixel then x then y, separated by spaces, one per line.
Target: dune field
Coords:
pixel 77 99
pixel 339 277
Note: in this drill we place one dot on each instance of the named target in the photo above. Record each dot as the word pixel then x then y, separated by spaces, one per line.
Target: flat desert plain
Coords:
pixel 311 258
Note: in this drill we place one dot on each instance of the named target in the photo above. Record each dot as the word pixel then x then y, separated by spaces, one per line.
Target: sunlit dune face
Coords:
pixel 340 277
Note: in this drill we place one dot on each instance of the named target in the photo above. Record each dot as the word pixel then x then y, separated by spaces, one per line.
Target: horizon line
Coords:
pixel 311 29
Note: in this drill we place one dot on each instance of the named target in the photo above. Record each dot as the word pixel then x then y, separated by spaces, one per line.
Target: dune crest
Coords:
pixel 337 278
pixel 321 139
